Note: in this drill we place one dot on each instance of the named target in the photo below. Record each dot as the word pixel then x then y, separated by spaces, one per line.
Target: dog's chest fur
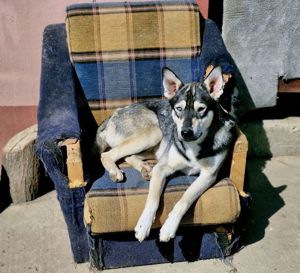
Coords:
pixel 193 164
pixel 189 157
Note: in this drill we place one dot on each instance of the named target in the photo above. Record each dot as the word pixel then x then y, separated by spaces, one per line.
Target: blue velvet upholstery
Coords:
pixel 123 250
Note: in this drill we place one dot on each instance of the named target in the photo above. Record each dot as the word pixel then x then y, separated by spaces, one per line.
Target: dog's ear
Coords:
pixel 214 83
pixel 171 83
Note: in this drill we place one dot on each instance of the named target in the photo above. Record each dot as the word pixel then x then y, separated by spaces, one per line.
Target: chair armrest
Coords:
pixel 214 52
pixel 238 162
pixel 74 163
pixel 58 107
pixel 57 110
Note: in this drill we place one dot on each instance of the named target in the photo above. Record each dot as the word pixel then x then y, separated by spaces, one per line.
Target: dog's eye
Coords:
pixel 201 108
pixel 178 108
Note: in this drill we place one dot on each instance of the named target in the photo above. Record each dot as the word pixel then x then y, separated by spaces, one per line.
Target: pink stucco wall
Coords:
pixel 21 26
pixel 22 23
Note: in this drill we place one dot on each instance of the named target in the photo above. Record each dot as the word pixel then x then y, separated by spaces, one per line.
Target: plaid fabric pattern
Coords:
pixel 131 31
pixel 116 207
pixel 119 49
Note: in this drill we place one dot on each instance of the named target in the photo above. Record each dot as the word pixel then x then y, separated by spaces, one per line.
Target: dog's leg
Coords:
pixel 137 162
pixel 157 182
pixel 209 171
pixel 135 144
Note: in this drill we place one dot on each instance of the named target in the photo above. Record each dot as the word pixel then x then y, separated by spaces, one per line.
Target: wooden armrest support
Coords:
pixel 238 162
pixel 74 163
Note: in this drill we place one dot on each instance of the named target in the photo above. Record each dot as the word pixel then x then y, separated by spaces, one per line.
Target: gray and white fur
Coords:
pixel 188 131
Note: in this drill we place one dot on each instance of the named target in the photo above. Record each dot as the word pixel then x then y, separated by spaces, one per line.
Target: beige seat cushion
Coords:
pixel 116 207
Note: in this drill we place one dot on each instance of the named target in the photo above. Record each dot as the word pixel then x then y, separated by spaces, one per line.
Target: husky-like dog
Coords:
pixel 188 132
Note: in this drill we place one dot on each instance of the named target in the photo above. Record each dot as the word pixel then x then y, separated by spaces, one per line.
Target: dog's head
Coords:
pixel 193 104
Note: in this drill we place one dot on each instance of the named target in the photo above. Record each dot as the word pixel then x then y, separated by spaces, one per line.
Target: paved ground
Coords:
pixel 33 236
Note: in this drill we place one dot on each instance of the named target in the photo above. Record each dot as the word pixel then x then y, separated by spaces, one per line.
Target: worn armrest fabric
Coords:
pixel 213 50
pixel 57 112
pixel 58 120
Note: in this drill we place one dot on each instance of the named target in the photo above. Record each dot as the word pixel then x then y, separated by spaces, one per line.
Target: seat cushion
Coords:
pixel 116 207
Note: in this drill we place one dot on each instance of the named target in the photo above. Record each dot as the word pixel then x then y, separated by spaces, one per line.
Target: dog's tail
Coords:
pixel 100 137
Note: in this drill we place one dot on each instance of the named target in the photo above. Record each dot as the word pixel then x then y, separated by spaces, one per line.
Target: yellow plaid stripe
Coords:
pixel 219 205
pixel 133 32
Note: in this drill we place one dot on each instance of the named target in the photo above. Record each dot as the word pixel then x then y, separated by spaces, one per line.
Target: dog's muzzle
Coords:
pixel 187 134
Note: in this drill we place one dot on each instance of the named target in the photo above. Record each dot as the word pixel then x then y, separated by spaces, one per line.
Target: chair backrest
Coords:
pixel 119 49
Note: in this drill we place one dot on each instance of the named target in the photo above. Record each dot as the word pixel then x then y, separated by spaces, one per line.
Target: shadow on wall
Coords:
pixel 215 12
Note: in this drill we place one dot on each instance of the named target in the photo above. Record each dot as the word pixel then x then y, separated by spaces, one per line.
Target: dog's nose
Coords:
pixel 187 133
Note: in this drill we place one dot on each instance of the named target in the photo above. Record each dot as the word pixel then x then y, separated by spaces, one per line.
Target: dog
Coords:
pixel 188 131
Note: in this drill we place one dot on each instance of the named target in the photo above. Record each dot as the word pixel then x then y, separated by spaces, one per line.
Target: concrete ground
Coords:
pixel 33 236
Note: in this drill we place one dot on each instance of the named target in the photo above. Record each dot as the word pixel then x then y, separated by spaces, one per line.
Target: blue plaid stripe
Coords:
pixel 147 83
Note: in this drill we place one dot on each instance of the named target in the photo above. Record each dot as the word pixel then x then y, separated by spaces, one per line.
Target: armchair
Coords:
pixel 104 57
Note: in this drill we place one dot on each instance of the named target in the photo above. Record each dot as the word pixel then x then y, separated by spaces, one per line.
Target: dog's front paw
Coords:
pixel 116 175
pixel 146 171
pixel 143 227
pixel 169 228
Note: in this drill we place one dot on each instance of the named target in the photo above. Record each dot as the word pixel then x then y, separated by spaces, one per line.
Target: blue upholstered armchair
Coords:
pixel 110 55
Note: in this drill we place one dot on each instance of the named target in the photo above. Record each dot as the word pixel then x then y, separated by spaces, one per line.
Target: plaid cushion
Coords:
pixel 116 207
pixel 134 31
pixel 119 49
